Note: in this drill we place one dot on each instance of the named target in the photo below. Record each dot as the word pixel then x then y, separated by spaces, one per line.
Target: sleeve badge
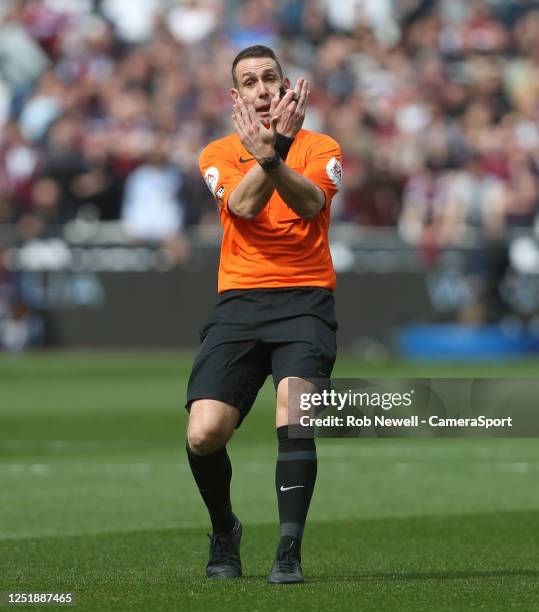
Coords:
pixel 211 176
pixel 334 171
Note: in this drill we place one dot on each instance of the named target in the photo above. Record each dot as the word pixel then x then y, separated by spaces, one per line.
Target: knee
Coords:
pixel 203 441
pixel 282 393
pixel 283 416
pixel 206 438
pixel 211 425
pixel 297 386
pixel 287 407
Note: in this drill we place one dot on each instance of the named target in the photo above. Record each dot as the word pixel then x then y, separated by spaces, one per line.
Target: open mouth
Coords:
pixel 263 110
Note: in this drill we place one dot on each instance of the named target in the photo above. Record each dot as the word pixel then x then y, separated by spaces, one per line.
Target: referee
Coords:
pixel 273 182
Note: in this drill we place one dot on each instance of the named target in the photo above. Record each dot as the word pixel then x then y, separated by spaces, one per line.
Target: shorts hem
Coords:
pixel 243 411
pixel 210 396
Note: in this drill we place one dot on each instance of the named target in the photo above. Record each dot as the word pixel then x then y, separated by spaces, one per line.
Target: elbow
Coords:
pixel 314 205
pixel 309 215
pixel 247 214
pixel 243 206
pixel 312 210
pixel 243 212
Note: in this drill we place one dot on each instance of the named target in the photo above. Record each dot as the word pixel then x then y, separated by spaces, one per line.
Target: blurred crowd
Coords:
pixel 106 104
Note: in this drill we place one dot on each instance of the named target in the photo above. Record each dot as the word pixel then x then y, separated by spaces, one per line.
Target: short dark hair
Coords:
pixel 255 51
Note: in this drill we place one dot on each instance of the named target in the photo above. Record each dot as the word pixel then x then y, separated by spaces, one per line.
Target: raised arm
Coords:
pixel 301 194
pixel 251 194
pixel 255 189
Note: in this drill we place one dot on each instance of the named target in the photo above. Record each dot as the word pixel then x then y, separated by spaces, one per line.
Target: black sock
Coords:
pixel 295 476
pixel 213 474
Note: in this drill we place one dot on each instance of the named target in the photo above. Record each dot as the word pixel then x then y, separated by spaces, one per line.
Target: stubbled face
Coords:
pixel 258 81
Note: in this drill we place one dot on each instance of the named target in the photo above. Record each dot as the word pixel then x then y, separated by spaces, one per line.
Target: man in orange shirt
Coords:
pixel 273 183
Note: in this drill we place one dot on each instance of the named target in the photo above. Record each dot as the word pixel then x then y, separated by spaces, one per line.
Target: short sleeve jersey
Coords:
pixel 277 248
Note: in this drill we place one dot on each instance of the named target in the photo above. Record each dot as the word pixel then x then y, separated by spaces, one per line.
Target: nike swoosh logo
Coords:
pixel 294 487
pixel 244 161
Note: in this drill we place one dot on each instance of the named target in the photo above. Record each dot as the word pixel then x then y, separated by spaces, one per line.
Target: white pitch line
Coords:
pixel 513 467
pixel 58 446
pixel 45 469
pixel 143 469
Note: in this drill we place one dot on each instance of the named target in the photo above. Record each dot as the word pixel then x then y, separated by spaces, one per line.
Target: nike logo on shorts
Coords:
pixel 294 487
pixel 244 161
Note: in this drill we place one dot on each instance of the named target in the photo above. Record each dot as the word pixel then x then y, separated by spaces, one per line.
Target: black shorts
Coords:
pixel 250 334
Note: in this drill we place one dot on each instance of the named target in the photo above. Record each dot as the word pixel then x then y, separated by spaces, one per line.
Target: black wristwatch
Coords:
pixel 269 164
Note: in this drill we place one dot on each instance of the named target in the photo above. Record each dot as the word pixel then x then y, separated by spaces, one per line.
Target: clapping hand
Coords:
pixel 291 109
pixel 256 135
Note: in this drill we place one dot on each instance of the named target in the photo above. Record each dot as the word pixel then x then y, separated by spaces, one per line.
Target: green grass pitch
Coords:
pixel 96 499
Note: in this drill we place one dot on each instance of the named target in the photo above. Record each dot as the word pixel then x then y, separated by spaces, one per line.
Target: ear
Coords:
pixel 234 93
pixel 286 83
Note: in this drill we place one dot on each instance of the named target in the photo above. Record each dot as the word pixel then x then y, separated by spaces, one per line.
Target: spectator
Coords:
pixel 428 98
pixel 151 209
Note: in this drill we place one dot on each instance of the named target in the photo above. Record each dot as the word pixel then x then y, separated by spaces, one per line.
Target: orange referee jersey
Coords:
pixel 277 248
